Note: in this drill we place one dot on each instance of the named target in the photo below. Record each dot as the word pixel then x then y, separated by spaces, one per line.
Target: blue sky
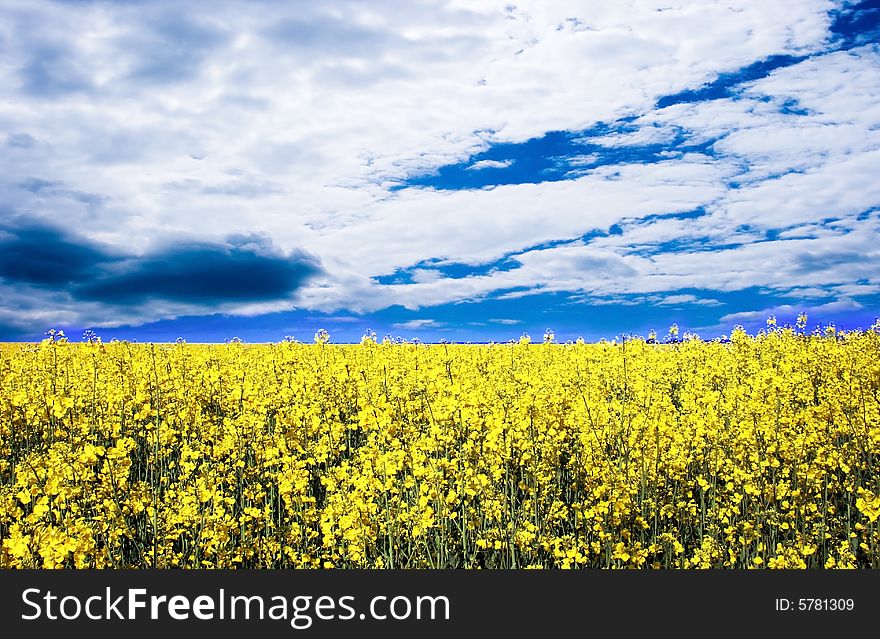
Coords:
pixel 454 170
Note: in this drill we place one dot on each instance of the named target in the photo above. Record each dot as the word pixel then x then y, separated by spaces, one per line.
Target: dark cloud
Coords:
pixel 172 48
pixel 39 186
pixel 50 73
pixel 816 261
pixel 20 140
pixel 606 265
pixel 91 200
pixel 248 189
pixel 35 185
pixel 47 257
pixel 317 32
pixel 202 274
pixel 246 268
pixel 330 35
pixel 10 333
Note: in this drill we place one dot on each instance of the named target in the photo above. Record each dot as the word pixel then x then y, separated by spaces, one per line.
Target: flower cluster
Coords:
pixel 758 451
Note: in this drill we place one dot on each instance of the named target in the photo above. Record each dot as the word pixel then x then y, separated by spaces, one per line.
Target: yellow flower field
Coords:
pixel 758 452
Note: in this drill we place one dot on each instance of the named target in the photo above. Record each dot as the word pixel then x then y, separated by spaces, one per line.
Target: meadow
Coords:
pixel 755 452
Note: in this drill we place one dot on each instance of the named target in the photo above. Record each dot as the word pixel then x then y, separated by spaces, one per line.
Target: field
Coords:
pixel 757 452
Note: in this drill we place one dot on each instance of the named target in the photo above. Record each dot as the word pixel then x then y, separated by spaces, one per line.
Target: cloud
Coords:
pixel 75 272
pixel 10 332
pixel 425 275
pixel 36 185
pixel 601 268
pixel 808 293
pixel 489 164
pixel 334 36
pixel 200 273
pixel 245 188
pixel 51 73
pixel 54 189
pixel 20 140
pixel 505 321
pixel 452 225
pixel 44 256
pixel 582 160
pixel 418 323
pixel 670 300
pixel 642 136
pixel 170 46
pixel 309 119
pixel 813 261
pixel 789 309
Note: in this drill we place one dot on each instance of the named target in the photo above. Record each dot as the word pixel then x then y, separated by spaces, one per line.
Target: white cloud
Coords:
pixel 601 271
pixel 788 309
pixel 808 293
pixel 477 227
pixel 670 300
pixel 850 290
pixel 418 323
pixel 489 164
pixel 425 275
pixel 303 116
pixel 642 136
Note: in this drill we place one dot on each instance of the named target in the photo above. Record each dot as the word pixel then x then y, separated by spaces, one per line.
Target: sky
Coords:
pixel 460 170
